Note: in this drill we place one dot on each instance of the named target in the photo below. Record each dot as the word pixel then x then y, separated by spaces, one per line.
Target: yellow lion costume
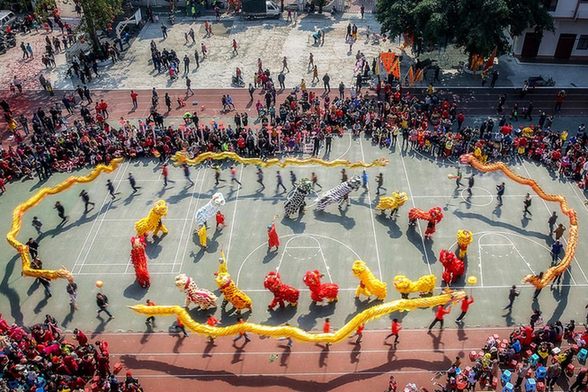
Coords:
pixel 230 291
pixel 368 284
pixel 392 203
pixel 152 222
pixel 424 285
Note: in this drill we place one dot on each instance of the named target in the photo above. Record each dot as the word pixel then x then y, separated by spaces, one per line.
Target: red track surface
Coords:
pixel 164 362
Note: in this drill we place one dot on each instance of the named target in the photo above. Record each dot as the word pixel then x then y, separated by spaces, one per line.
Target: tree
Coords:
pixel 97 15
pixel 477 26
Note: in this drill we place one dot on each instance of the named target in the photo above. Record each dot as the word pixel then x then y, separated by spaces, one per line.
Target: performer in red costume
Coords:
pixel 273 240
pixel 139 259
pixel 220 220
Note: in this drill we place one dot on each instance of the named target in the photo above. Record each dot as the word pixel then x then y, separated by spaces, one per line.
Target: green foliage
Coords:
pixel 100 12
pixel 477 26
pixel 97 14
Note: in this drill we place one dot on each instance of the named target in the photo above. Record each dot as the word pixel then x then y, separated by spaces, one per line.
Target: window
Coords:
pixel 551 5
pixel 582 43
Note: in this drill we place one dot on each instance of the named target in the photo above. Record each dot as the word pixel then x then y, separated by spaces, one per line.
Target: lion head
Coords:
pixel 312 278
pixel 272 280
pixel 218 199
pixel 160 208
pixel 181 281
pixel 358 268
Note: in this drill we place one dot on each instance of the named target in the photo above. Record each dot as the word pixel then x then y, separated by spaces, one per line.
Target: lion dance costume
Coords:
pixel 424 285
pixel 368 284
pixel 202 298
pixel 296 199
pixel 338 193
pixel 281 291
pixel 433 216
pixel 392 203
pixel 209 210
pixel 152 223
pixel 229 288
pixel 320 291
pixel 464 239
pixel 453 268
pixel 139 259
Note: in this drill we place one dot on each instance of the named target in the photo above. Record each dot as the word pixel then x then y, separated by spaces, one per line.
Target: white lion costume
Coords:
pixel 207 211
pixel 202 298
pixel 338 193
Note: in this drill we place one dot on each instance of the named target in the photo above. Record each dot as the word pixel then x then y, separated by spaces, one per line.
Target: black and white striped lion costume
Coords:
pixel 338 193
pixel 295 201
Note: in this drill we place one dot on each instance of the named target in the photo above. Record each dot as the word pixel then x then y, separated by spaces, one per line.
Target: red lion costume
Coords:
pixel 139 259
pixel 453 268
pixel 281 291
pixel 320 291
pixel 433 216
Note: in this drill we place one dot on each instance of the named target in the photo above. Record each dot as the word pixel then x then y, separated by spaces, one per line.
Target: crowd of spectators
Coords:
pixel 528 359
pixel 42 358
pixel 430 125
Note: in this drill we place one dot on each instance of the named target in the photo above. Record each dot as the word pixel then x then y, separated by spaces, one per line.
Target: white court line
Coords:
pixel 186 220
pixel 511 244
pixel 304 247
pixel 479 263
pixel 83 261
pixel 325 262
pixel 234 214
pixel 371 217
pixel 563 238
pixel 414 206
pixel 105 202
pixel 121 273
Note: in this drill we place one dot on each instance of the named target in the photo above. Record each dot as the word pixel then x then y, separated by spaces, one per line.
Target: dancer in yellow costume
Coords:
pixel 152 222
pixel 202 236
pixel 368 284
pixel 424 285
pixel 229 288
pixel 464 239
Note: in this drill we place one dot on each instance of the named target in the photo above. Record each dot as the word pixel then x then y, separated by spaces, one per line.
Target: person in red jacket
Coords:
pixel 80 337
pixel 394 331
pixel 465 305
pixel 211 321
pixel 327 329
pixel 220 220
pixel 273 240
pixel 439 315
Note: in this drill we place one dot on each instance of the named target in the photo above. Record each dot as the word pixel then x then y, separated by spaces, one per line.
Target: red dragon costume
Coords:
pixel 433 216
pixel 139 259
pixel 453 268
pixel 281 291
pixel 320 291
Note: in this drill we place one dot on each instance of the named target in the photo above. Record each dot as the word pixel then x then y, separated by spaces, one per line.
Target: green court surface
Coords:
pixel 97 246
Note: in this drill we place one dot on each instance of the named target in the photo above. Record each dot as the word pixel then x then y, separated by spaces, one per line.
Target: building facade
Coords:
pixel 567 43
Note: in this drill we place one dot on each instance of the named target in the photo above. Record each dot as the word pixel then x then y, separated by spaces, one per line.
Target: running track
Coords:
pixel 164 362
